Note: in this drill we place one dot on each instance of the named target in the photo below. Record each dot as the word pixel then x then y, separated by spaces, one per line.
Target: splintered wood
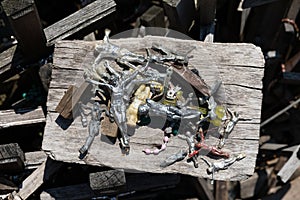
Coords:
pixel 239 66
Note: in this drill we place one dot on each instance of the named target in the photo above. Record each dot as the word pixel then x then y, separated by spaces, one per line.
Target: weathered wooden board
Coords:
pixel 37 178
pixel 239 66
pixel 11 158
pixel 34 159
pixel 94 13
pixel 9 118
pixel 290 166
pixel 6 59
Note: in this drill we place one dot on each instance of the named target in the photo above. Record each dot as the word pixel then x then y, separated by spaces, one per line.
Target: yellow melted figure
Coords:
pixel 145 91
pixel 220 113
pixel 140 96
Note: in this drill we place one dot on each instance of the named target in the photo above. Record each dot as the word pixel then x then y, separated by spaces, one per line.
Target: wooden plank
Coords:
pixel 240 66
pixel 66 99
pixel 6 186
pixel 34 159
pixel 107 179
pixel 294 10
pixel 11 158
pixel 80 191
pixel 95 12
pixel 153 17
pixel 37 178
pixel 278 147
pixel 293 192
pixel 9 118
pixel 6 58
pixel 180 13
pixel 248 186
pixel 27 28
pixel 254 186
pixel 286 192
pixel 272 179
pixel 203 189
pixel 290 166
pixel 221 190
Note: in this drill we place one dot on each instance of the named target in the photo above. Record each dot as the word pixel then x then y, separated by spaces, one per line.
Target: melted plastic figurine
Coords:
pixel 197 145
pixel 169 56
pixel 229 123
pixel 221 117
pixel 139 97
pixel 93 126
pixel 223 164
pixel 173 95
pixel 119 97
pixel 109 50
pixel 173 115
pixel 180 155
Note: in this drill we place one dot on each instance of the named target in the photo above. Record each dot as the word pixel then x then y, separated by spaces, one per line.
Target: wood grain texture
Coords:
pixel 37 178
pixel 34 159
pixel 11 158
pixel 9 118
pixel 290 166
pixel 79 20
pixel 239 66
pixel 6 59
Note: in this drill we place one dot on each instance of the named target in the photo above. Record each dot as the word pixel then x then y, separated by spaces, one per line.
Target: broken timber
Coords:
pixel 42 174
pixel 81 22
pixel 9 118
pixel 240 67
pixel 11 158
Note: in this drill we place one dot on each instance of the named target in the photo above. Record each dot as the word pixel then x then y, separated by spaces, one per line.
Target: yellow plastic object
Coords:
pixel 220 113
pixel 140 96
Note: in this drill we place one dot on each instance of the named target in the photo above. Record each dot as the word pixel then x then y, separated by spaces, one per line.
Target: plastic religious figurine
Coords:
pixel 173 115
pixel 197 145
pixel 222 164
pixel 169 55
pixel 119 97
pixel 108 50
pixel 229 123
pixel 93 126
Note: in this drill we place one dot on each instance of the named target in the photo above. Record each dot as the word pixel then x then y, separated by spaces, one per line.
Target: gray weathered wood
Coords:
pixel 153 17
pixel 221 190
pixel 248 186
pixel 107 179
pixel 6 58
pixel 290 167
pixel 278 147
pixel 180 13
pixel 203 189
pixel 37 178
pixel 91 14
pixel 11 158
pixel 9 118
pixel 286 192
pixel 272 178
pixel 239 66
pixel 293 10
pixel 34 159
pixel 25 23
